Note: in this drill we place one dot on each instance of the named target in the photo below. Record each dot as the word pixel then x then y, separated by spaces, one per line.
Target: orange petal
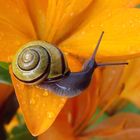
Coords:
pixel 53 19
pixel 132 82
pixel 37 12
pixel 63 127
pixel 121 38
pixel 40 107
pixel 110 5
pixel 116 124
pixel 60 130
pixel 15 28
pixel 87 101
pixel 132 134
pixel 14 13
pixel 11 39
pixel 5 92
pixel 111 76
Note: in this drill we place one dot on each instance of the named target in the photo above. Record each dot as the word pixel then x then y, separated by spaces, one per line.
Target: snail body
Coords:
pixel 43 64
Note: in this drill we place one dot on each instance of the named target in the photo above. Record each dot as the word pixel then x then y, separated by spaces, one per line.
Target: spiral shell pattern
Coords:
pixel 39 60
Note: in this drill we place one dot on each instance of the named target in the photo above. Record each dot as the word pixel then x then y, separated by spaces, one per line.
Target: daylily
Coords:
pixel 74 27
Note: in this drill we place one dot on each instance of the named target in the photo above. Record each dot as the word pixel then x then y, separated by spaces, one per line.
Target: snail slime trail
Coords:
pixel 43 64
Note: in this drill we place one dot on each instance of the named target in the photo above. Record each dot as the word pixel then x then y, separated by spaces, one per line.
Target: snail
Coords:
pixel 42 64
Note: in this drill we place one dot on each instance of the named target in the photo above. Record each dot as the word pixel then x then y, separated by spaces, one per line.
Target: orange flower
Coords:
pixel 123 126
pixel 73 26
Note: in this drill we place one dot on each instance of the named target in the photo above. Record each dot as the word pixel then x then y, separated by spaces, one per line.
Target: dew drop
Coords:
pixel 66 53
pixel 109 14
pixel 63 99
pixel 23 103
pixel 50 115
pixel 45 93
pixel 83 32
pixel 32 101
pixel 123 25
pixel 60 105
pixel 101 25
pixel 71 14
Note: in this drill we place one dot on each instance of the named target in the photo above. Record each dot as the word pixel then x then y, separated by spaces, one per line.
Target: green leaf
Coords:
pixel 20 118
pixel 4 73
pixel 130 107
pixel 101 118
pixel 20 133
pixel 4 65
pixel 137 6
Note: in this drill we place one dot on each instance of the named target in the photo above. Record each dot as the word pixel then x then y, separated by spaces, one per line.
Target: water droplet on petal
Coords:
pixel 50 115
pixel 123 25
pixel 83 32
pixel 109 14
pixel 63 99
pixel 60 105
pixel 32 101
pixel 71 14
pixel 101 25
pixel 45 93
pixel 23 102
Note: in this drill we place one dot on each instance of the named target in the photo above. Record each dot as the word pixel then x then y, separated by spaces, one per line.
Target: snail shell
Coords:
pixel 37 61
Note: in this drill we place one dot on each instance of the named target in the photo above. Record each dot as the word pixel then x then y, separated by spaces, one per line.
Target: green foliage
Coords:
pixel 138 6
pixel 4 73
pixel 130 107
pixel 101 118
pixel 20 132
pixel 4 65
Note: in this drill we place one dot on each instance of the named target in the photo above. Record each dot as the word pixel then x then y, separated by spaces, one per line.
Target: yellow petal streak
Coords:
pixel 15 13
pixel 10 41
pixel 39 106
pixel 132 82
pixel 121 38
pixel 54 19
